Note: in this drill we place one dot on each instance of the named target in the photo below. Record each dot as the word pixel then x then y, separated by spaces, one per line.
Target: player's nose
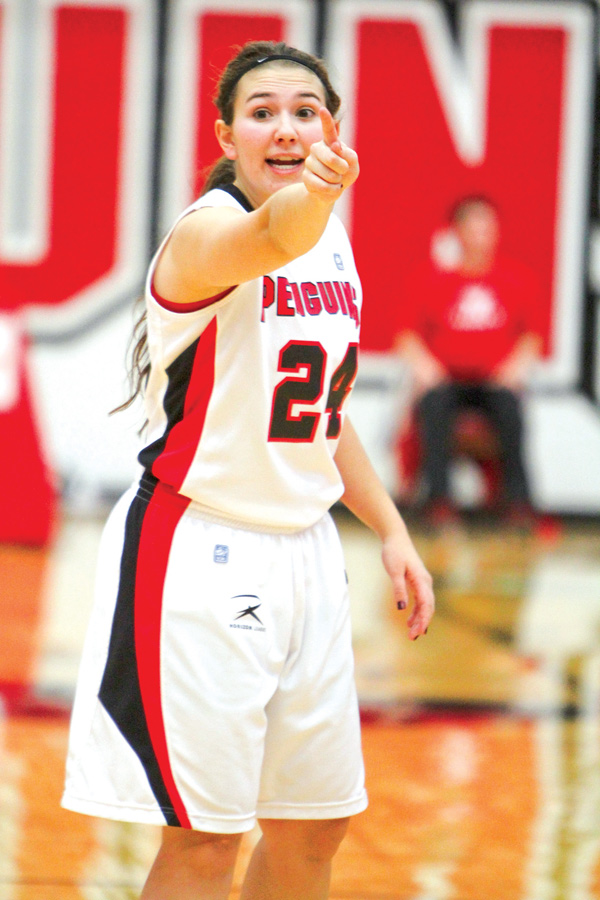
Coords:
pixel 286 129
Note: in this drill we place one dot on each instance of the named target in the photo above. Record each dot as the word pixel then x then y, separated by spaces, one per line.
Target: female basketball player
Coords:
pixel 217 681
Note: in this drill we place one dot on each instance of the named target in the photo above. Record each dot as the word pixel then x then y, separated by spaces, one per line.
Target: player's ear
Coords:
pixel 225 138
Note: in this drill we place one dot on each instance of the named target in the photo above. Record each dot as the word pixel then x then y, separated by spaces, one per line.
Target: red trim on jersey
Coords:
pixel 175 460
pixel 156 538
pixel 188 307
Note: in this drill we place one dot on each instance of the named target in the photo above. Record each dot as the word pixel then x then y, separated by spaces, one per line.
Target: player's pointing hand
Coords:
pixel 331 129
pixel 331 166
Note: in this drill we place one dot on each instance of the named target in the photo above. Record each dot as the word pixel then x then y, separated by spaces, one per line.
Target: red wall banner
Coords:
pixel 506 112
pixel 504 107
pixel 75 111
pixel 83 154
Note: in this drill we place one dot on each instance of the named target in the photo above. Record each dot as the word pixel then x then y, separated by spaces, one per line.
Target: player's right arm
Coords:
pixel 214 248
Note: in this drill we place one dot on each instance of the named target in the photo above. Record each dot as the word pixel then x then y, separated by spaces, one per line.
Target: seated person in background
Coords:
pixel 471 342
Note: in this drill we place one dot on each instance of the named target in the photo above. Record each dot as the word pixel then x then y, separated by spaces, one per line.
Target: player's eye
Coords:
pixel 306 112
pixel 261 113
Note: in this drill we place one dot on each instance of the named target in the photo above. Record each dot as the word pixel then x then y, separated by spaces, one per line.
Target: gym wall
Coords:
pixel 105 130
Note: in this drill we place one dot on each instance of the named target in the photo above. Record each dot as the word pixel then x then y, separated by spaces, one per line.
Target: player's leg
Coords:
pixel 312 778
pixel 192 865
pixel 292 860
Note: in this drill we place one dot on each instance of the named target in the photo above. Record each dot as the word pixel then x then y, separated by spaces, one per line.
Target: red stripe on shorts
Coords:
pixel 156 538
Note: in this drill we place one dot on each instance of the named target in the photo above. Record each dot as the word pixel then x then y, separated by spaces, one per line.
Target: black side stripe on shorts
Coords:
pixel 120 690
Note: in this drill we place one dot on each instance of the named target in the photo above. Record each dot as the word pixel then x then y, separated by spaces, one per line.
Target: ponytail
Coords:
pixel 221 172
pixel 139 369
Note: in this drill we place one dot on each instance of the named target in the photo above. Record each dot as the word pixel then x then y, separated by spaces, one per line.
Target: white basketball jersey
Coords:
pixel 248 391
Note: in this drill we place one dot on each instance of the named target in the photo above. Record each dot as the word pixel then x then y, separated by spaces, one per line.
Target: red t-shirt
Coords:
pixel 471 323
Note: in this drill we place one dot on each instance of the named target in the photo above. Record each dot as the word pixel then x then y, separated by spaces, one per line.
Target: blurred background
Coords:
pixel 106 124
pixel 106 127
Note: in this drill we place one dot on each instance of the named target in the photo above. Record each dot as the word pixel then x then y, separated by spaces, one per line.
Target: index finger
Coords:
pixel 330 135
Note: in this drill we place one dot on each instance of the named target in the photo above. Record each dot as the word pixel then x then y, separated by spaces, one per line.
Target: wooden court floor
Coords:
pixel 481 740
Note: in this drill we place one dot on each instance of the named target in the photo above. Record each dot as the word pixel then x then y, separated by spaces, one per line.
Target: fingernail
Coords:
pixel 401 604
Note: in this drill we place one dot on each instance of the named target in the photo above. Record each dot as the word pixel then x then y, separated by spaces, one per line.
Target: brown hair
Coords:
pixel 223 171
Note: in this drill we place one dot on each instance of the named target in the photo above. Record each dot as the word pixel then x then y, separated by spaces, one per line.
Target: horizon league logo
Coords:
pixel 249 612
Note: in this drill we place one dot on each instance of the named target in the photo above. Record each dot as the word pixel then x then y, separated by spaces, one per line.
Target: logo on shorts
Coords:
pixel 249 612
pixel 221 553
pixel 338 261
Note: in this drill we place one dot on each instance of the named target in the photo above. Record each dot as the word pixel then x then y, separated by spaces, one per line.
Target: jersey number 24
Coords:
pixel 308 360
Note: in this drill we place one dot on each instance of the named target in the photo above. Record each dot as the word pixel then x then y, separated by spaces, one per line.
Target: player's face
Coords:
pixel 276 119
pixel 478 229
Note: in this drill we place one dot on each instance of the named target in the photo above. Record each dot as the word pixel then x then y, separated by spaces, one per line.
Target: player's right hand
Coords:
pixel 331 165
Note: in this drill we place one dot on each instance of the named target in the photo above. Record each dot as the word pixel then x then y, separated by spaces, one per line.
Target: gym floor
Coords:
pixel 481 740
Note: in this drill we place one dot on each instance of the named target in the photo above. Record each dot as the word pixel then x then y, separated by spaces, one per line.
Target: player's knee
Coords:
pixel 323 843
pixel 313 841
pixel 210 855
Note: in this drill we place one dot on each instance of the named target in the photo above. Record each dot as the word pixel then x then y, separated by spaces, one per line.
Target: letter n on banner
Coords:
pixel 506 111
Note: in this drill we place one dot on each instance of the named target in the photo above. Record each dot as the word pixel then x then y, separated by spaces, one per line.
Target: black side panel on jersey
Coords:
pixel 178 375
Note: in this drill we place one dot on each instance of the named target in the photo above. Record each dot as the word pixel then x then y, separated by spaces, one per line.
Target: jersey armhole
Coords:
pixel 188 307
pixel 234 192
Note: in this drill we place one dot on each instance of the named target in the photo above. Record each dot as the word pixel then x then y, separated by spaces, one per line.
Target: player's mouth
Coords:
pixel 285 164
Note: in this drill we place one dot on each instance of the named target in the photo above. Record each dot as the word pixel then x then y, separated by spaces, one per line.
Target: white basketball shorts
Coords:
pixel 216 684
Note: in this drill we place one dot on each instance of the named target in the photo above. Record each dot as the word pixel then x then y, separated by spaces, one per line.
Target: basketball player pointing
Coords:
pixel 216 687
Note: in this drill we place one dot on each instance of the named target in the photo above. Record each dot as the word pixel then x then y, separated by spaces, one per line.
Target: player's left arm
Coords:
pixel 365 496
